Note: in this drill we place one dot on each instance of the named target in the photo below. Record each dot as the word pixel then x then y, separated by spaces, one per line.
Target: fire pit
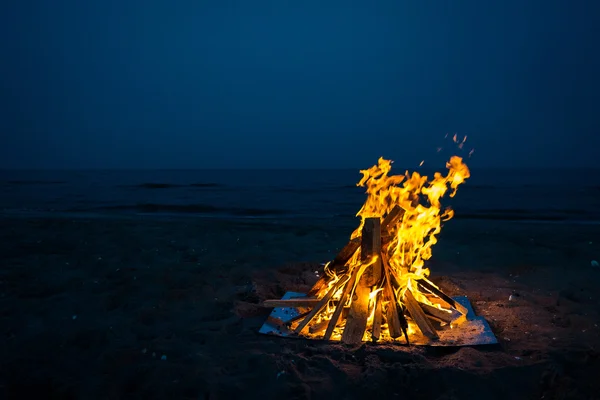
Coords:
pixel 377 287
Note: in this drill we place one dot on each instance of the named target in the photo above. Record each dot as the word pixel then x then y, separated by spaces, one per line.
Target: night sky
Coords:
pixel 299 84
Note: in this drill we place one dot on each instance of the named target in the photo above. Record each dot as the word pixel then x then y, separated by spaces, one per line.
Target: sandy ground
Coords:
pixel 127 309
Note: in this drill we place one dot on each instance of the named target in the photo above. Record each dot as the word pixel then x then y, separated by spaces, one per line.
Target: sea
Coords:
pixel 560 195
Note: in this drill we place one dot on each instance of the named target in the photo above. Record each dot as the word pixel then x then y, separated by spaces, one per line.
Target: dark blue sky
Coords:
pixel 195 84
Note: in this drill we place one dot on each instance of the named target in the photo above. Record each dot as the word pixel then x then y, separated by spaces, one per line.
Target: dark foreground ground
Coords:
pixel 127 309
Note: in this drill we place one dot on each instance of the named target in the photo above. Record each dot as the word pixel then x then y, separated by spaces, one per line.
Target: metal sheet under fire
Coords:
pixel 474 332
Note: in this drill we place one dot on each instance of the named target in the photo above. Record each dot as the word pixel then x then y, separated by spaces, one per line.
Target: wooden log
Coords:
pixel 435 319
pixel 346 253
pixel 371 247
pixel 391 219
pixel 356 272
pixel 447 299
pixel 377 317
pixel 391 314
pixel 444 316
pixel 419 316
pixel 394 278
pixel 322 303
pixel 320 284
pixel 389 222
pixel 393 271
pixel 356 323
pixel 397 324
pixel 298 302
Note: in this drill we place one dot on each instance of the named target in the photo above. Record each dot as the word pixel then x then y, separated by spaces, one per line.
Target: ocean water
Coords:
pixel 537 195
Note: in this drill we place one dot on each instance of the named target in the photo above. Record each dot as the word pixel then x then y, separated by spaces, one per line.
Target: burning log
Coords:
pixel 445 298
pixel 371 251
pixel 376 287
pixel 437 314
pixel 320 284
pixel 377 317
pixel 319 307
pixel 346 253
pixel 340 307
pixel 339 261
pixel 390 221
pixel 397 324
pixel 417 314
pixel 356 323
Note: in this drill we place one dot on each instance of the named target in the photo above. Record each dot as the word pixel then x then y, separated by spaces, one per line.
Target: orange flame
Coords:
pixel 413 236
pixel 416 233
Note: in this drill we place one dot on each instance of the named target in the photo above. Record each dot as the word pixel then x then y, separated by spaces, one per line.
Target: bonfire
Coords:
pixel 377 287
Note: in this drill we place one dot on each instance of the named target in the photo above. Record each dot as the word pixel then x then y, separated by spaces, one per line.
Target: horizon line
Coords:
pixel 285 168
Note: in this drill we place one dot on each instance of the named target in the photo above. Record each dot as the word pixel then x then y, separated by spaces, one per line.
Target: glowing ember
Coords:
pixel 377 289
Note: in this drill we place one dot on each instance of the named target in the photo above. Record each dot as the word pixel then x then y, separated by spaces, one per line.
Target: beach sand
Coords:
pixel 169 309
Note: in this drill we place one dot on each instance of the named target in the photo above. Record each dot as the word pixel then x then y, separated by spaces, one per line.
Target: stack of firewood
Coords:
pixel 372 288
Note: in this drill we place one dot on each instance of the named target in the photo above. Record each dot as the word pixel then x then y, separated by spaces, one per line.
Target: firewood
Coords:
pixel 322 281
pixel 392 310
pixel 419 316
pixel 447 299
pixel 430 311
pixel 391 219
pixel 320 284
pixel 319 307
pixel 388 223
pixel 397 324
pixel 356 273
pixel 377 317
pixel 371 247
pixel 356 323
pixel 435 319
pixel 298 302
pixel 394 278
pixel 346 253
